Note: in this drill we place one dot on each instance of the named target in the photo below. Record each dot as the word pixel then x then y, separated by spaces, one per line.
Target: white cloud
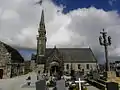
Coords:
pixel 9 14
pixel 78 28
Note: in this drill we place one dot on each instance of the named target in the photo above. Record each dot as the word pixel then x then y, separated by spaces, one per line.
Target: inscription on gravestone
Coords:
pixel 60 85
pixel 41 85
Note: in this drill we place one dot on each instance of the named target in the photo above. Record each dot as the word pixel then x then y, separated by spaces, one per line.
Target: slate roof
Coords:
pixel 75 55
pixel 15 55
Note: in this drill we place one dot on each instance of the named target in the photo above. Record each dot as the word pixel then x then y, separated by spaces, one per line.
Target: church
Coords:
pixel 60 60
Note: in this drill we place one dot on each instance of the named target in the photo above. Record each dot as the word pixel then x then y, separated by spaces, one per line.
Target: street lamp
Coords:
pixel 105 41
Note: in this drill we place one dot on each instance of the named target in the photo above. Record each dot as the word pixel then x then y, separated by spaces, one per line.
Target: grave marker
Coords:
pixel 112 86
pixel 96 76
pixel 60 85
pixel 79 83
pixel 41 85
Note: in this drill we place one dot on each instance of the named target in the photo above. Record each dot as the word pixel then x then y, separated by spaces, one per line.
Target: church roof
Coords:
pixel 76 55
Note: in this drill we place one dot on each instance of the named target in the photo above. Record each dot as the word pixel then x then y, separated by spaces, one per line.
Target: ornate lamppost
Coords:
pixel 105 41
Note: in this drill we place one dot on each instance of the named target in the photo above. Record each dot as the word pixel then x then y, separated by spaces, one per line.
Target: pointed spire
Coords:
pixel 42 22
pixel 42 17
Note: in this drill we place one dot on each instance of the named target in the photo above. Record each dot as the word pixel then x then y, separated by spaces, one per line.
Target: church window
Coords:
pixel 87 66
pixel 67 66
pixel 42 49
pixel 79 66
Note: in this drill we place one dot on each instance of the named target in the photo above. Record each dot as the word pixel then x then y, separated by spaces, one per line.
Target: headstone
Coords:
pixel 60 85
pixel 96 76
pixel 112 86
pixel 41 85
pixel 79 83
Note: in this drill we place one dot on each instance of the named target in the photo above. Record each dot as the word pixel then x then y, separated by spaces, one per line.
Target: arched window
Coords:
pixel 67 66
pixel 87 66
pixel 79 66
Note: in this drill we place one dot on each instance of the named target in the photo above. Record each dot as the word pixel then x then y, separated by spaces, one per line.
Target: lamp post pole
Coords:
pixel 105 41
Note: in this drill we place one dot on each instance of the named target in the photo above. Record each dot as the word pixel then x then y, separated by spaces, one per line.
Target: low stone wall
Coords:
pixel 101 81
pixel 96 84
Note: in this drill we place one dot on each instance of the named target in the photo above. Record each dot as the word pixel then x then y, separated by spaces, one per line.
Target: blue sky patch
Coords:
pixel 107 5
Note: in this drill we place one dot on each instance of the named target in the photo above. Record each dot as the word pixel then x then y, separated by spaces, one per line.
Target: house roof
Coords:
pixel 15 55
pixel 76 55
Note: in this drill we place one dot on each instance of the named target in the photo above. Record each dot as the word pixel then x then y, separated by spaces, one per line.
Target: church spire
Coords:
pixel 42 17
pixel 41 39
pixel 42 23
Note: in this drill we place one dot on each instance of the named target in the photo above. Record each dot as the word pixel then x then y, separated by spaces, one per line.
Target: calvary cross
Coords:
pixel 79 81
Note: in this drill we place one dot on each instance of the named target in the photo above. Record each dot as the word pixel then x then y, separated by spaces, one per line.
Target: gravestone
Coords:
pixel 41 85
pixel 112 86
pixel 96 76
pixel 60 85
pixel 79 81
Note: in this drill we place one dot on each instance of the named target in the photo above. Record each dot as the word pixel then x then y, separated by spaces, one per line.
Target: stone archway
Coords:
pixel 1 73
pixel 54 68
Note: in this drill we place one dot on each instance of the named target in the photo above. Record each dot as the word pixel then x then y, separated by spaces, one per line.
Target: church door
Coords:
pixel 1 73
pixel 54 69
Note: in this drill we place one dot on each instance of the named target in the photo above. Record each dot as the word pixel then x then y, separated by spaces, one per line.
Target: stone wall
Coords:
pixel 40 68
pixel 5 58
pixel 32 66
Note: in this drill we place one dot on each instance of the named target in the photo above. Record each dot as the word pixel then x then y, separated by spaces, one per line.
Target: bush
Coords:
pixel 51 84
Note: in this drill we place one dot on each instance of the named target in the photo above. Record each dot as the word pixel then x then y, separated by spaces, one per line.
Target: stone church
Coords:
pixel 59 60
pixel 11 62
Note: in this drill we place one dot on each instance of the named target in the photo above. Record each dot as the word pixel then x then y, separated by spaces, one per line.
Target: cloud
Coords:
pixel 19 21
pixel 111 2
pixel 9 14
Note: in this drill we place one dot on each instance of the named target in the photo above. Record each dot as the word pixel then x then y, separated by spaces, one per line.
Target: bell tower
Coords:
pixel 41 39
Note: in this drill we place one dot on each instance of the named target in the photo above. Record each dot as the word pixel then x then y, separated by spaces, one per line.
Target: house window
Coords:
pixel 67 66
pixel 79 66
pixel 87 66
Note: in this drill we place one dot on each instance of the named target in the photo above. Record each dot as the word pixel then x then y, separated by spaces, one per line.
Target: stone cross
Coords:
pixel 79 81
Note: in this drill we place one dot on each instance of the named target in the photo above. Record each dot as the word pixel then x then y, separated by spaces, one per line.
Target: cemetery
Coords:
pixel 106 79
pixel 65 68
pixel 56 84
pixel 53 76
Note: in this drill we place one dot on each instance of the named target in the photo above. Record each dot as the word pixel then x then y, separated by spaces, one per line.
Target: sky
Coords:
pixel 69 23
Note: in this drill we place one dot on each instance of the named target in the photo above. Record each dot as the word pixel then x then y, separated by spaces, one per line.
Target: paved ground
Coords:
pixel 19 83
pixel 92 88
pixel 16 83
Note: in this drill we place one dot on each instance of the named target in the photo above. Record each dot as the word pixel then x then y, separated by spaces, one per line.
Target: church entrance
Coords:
pixel 54 70
pixel 1 73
